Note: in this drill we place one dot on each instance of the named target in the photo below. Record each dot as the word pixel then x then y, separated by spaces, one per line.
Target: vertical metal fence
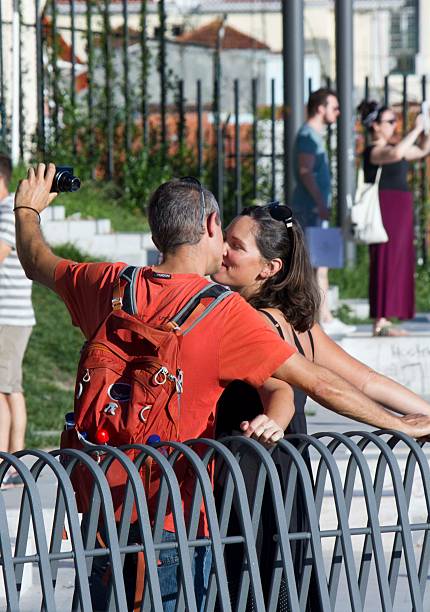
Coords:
pixel 364 544
pixel 97 105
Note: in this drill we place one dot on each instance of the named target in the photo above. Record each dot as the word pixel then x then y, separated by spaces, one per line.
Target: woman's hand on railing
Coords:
pixel 263 429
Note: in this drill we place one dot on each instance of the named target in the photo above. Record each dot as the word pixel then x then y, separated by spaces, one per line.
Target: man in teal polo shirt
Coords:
pixel 312 196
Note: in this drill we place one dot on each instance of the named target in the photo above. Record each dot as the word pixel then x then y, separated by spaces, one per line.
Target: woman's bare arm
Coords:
pixel 268 428
pixel 405 149
pixel 277 398
pixel 378 387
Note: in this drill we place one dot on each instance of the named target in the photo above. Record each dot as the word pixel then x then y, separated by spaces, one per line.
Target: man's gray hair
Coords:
pixel 175 213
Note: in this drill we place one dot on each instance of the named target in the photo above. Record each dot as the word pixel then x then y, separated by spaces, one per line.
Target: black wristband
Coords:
pixel 29 208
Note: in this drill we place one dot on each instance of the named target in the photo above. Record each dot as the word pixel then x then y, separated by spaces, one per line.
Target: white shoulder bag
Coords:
pixel 366 220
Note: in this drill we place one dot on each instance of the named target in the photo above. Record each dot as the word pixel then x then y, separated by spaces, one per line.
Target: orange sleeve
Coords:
pixel 86 289
pixel 250 349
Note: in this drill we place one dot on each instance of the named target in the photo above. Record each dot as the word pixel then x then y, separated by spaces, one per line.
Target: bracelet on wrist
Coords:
pixel 28 208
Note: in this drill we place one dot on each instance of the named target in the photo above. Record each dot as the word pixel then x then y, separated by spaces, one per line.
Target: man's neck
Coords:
pixel 317 123
pixel 186 260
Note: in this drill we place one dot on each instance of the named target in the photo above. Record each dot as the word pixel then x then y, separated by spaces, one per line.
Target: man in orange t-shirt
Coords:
pixel 232 342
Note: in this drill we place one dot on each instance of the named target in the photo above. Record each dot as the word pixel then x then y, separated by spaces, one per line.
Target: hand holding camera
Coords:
pixel 64 180
pixel 42 185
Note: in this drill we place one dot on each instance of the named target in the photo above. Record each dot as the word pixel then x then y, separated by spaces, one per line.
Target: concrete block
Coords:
pixel 405 359
pixel 358 308
pixel 59 232
pixel 116 243
pixel 333 297
pixel 53 213
pixel 55 232
pixel 103 226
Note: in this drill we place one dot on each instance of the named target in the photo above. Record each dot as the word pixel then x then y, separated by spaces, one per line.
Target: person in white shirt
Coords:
pixel 16 322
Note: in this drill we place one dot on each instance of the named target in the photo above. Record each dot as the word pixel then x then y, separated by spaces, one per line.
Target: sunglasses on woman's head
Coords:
pixel 192 180
pixel 280 213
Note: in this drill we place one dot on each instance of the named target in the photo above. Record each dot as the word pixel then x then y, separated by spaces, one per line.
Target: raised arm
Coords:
pixel 405 149
pixel 380 388
pixel 337 394
pixel 32 196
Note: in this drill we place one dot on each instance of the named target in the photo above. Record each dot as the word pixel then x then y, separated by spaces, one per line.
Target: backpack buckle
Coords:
pixel 117 303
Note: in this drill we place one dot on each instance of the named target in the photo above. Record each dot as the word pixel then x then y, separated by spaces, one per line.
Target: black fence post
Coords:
pixel 143 40
pixel 219 164
pixel 90 105
pixel 181 115
pixel 386 91
pixel 273 138
pixel 199 130
pixel 55 71
pixel 73 75
pixel 424 188
pixel 21 92
pixel 254 137
pixel 366 97
pixel 108 90
pixel 238 168
pixel 40 82
pixel 125 41
pixel 405 104
pixel 219 172
pixel 366 88
pixel 162 72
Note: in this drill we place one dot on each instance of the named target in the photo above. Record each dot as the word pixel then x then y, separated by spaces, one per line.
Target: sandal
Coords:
pixel 388 330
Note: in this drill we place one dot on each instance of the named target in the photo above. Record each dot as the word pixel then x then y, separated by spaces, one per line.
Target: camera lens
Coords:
pixel 64 180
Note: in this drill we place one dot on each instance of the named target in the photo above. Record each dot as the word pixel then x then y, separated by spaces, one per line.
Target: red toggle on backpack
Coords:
pixel 129 384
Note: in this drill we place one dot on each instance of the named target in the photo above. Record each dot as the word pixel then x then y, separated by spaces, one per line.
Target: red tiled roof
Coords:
pixel 232 39
pixel 64 49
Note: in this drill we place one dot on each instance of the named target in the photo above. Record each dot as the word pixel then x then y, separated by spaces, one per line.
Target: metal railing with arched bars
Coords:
pixel 356 539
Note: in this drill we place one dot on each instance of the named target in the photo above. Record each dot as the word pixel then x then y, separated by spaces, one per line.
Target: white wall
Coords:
pixel 29 64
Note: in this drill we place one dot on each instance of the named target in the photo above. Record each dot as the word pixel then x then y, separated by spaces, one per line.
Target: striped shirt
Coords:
pixel 15 287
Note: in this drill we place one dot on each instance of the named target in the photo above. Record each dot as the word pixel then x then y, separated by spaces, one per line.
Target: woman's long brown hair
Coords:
pixel 293 290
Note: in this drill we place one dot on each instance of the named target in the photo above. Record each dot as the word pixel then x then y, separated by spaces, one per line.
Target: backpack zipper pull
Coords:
pixel 179 381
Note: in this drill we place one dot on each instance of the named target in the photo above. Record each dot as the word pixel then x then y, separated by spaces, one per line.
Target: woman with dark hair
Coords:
pixel 392 264
pixel 266 261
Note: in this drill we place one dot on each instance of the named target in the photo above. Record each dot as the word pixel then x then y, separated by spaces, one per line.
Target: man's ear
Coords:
pixel 212 223
pixel 271 268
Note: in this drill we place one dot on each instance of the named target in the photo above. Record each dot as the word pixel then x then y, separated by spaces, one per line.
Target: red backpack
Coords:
pixel 129 383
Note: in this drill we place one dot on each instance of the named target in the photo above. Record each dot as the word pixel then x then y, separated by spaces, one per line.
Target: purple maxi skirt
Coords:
pixel 392 264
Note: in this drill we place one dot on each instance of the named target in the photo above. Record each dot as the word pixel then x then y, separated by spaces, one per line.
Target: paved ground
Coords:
pixel 319 419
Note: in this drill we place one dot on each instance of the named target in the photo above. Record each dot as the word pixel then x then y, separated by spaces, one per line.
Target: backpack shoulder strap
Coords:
pixel 125 298
pixel 194 306
pixel 129 275
pixel 124 290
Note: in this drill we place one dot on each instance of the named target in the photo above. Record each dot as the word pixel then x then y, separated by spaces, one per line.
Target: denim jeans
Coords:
pixel 169 573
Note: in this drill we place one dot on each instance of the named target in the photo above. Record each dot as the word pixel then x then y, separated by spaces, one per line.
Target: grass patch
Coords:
pixel 353 282
pixel 50 368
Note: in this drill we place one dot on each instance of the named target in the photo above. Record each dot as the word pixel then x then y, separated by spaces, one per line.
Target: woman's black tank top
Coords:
pixel 241 402
pixel 393 176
